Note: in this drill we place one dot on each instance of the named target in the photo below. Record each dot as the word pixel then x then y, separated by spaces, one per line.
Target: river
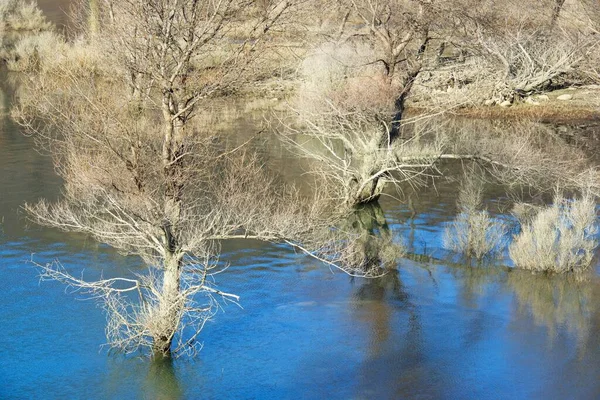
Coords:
pixel 433 330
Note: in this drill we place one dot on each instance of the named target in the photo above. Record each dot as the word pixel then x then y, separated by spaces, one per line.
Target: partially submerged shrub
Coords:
pixel 559 238
pixel 49 54
pixel 21 15
pixel 31 50
pixel 474 233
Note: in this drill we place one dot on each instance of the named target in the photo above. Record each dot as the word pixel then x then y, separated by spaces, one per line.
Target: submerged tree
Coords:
pixel 142 176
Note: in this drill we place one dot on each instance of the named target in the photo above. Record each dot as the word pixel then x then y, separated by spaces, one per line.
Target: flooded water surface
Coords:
pixel 431 330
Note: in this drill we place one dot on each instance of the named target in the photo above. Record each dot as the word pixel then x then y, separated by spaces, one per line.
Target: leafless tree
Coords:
pixel 141 178
pixel 524 43
pixel 343 134
pixel 400 31
pixel 351 118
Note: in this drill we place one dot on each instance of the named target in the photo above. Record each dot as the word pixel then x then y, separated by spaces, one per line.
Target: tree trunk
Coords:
pixel 169 308
pixel 171 302
pixel 558 5
pixel 93 18
pixel 364 190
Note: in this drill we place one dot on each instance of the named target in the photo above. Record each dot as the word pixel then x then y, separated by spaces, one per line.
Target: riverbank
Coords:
pixel 564 106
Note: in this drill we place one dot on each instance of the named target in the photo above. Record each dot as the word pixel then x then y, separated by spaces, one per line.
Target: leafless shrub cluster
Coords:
pixel 30 51
pixel 488 53
pixel 22 15
pixel 24 34
pixel 531 60
pixel 474 233
pixel 558 238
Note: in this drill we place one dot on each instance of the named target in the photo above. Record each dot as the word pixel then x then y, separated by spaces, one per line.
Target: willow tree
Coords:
pixel 142 174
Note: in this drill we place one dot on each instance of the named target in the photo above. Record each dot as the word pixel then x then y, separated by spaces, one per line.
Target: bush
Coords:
pixel 473 232
pixel 558 238
pixel 47 53
pixel 475 235
pixel 31 50
pixel 21 15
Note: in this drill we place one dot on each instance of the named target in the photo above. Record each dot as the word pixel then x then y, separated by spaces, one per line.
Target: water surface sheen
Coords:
pixel 430 331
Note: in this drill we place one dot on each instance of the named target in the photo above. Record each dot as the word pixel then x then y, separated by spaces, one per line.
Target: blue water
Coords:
pixel 303 332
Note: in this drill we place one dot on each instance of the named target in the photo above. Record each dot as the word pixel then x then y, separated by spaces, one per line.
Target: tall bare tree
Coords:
pixel 141 177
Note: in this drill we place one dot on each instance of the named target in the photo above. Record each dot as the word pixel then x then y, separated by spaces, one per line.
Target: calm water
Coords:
pixel 432 331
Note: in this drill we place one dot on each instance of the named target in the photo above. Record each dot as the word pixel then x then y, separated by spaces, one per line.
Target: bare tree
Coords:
pixel 342 132
pixel 523 43
pixel 138 175
pixel 400 31
pixel 351 118
pixel 357 118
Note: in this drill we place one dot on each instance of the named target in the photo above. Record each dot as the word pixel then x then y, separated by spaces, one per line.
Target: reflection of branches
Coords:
pixel 475 280
pixel 555 301
pixel 376 311
pixel 375 248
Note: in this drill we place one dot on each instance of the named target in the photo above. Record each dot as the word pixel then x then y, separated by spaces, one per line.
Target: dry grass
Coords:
pixel 558 238
pixel 546 112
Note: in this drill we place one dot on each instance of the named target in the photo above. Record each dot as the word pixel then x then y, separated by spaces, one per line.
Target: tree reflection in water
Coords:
pixel 374 250
pixel 559 303
pixel 376 298
pixel 555 302
pixel 161 381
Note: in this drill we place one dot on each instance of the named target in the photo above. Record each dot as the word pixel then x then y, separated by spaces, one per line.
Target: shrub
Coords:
pixel 474 233
pixel 49 54
pixel 21 15
pixel 31 50
pixel 558 238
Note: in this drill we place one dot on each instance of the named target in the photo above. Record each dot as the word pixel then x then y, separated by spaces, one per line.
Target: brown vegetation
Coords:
pixel 22 15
